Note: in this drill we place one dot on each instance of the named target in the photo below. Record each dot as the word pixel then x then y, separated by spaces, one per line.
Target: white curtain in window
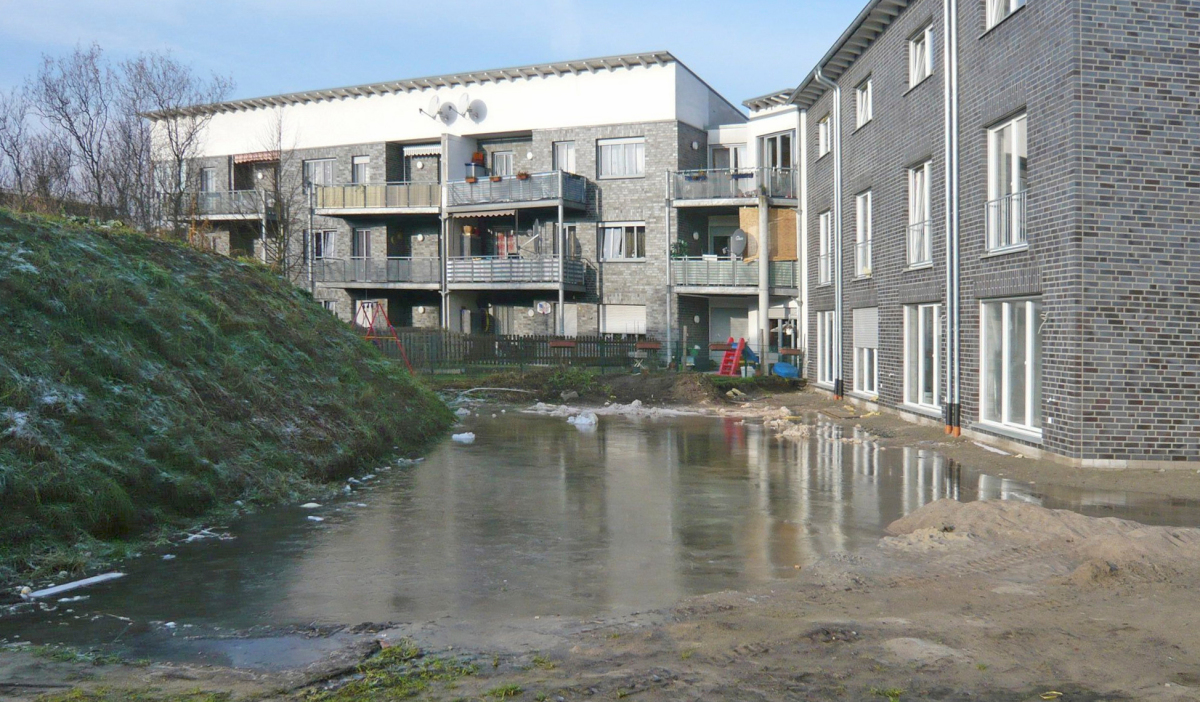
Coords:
pixel 614 242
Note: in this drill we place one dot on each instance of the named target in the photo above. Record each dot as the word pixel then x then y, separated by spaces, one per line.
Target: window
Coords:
pixel 863 99
pixel 998 10
pixel 866 350
pixel 728 157
pixel 1011 364
pixel 920 56
pixel 360 246
pixel 920 225
pixel 358 169
pixel 208 180
pixel 862 249
pixel 623 319
pixel 921 355
pixel 825 259
pixel 319 171
pixel 330 306
pixel 564 156
pixel 623 241
pixel 502 163
pixel 323 242
pixel 824 140
pixel 621 158
pixel 1007 145
pixel 776 151
pixel 825 348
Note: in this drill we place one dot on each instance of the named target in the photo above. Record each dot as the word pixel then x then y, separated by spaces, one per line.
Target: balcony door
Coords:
pixel 360 253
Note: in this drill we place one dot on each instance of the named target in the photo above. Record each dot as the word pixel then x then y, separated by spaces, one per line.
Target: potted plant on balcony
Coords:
pixel 522 175
pixel 471 179
pixel 496 178
pixel 696 176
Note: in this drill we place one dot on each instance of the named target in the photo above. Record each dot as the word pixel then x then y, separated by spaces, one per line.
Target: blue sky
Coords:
pixel 742 48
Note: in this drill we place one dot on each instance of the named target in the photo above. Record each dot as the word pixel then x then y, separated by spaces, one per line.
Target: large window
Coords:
pixel 623 320
pixel 564 156
pixel 825 257
pixel 360 245
pixel 319 171
pixel 358 169
pixel 776 151
pixel 623 242
pixel 728 157
pixel 621 158
pixel 920 56
pixel 920 224
pixel 208 180
pixel 825 348
pixel 824 139
pixel 862 249
pixel 921 355
pixel 323 242
pixel 1010 373
pixel 502 163
pixel 866 351
pixel 864 108
pixel 1007 160
pixel 998 10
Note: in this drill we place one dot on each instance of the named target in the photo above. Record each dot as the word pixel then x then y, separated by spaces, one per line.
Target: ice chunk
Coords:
pixel 465 438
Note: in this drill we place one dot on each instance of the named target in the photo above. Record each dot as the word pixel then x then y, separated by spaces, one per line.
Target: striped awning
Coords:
pixel 257 157
pixel 423 150
pixel 476 215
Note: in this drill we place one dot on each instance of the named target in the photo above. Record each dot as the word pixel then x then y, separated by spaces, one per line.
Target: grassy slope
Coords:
pixel 144 384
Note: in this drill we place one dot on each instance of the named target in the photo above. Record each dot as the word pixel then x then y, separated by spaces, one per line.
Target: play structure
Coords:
pixel 737 354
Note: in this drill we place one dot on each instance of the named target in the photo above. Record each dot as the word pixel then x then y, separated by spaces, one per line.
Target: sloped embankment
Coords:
pixel 144 384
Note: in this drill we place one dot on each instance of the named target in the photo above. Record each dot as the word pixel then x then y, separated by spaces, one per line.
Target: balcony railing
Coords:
pixel 920 243
pixel 394 269
pixel 738 183
pixel 506 270
pixel 537 187
pixel 1006 222
pixel 225 203
pixel 378 196
pixel 725 272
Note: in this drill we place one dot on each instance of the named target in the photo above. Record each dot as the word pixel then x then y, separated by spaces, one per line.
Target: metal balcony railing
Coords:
pixel 394 269
pixel 725 272
pixel 227 203
pixel 378 196
pixel 1006 222
pixel 535 187
pixel 737 183
pixel 506 270
pixel 862 258
pixel 920 243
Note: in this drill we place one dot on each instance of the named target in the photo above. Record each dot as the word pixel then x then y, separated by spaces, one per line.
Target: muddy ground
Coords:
pixel 984 601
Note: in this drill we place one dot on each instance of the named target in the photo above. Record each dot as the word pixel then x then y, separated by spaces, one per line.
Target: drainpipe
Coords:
pixel 801 338
pixel 562 264
pixel 311 244
pixel 953 410
pixel 670 287
pixel 839 384
pixel 764 273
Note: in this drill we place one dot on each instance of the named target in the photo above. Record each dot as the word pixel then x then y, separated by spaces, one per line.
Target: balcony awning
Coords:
pixel 257 157
pixel 423 150
pixel 475 215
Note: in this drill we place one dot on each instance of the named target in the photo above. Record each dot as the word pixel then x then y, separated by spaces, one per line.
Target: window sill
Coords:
pixel 824 285
pixel 913 87
pixel 923 410
pixel 622 260
pixel 824 385
pixel 1027 435
pixel 864 125
pixel 919 267
pixel 821 156
pixel 864 395
pixel 860 278
pixel 1010 15
pixel 996 253
pixel 629 177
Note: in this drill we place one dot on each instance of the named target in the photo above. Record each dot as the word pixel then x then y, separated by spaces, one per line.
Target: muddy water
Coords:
pixel 535 519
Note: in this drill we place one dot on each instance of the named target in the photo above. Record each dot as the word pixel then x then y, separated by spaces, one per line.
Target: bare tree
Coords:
pixel 14 142
pixel 35 165
pixel 287 198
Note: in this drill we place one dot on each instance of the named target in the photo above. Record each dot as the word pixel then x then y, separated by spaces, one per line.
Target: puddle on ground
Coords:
pixel 537 518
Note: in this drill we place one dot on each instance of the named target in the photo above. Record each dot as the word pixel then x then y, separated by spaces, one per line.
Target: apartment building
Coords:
pixel 1001 218
pixel 517 200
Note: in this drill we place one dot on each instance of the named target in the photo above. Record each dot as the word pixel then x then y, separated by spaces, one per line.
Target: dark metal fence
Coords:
pixel 431 351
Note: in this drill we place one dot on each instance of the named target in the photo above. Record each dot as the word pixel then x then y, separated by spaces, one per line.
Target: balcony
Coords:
pixel 378 198
pixel 726 274
pixel 739 186
pixel 225 204
pixel 1006 222
pixel 487 272
pixel 394 271
pixel 536 190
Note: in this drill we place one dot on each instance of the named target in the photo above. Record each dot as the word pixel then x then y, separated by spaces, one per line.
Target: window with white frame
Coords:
pixel 862 248
pixel 922 360
pixel 623 242
pixel 864 109
pixel 330 306
pixel 323 242
pixel 998 10
pixel 360 245
pixel 358 169
pixel 920 56
pixel 208 180
pixel 730 157
pixel 1010 364
pixel 826 339
pixel 825 254
pixel 775 151
pixel 564 156
pixel 319 171
pixel 866 351
pixel 1007 164
pixel 824 138
pixel 621 158
pixel 502 163
pixel 920 221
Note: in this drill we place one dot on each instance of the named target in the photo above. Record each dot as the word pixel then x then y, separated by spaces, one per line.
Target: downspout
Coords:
pixel 801 338
pixel 670 287
pixel 953 408
pixel 764 274
pixel 839 384
pixel 311 244
pixel 561 322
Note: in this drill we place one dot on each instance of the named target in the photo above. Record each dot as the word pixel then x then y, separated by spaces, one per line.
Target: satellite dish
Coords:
pixel 737 243
pixel 464 104
pixel 433 110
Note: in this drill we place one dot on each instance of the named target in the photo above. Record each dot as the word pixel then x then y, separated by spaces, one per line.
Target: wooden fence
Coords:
pixel 431 351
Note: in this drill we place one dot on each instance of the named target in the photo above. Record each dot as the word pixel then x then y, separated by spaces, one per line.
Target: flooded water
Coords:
pixel 537 518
